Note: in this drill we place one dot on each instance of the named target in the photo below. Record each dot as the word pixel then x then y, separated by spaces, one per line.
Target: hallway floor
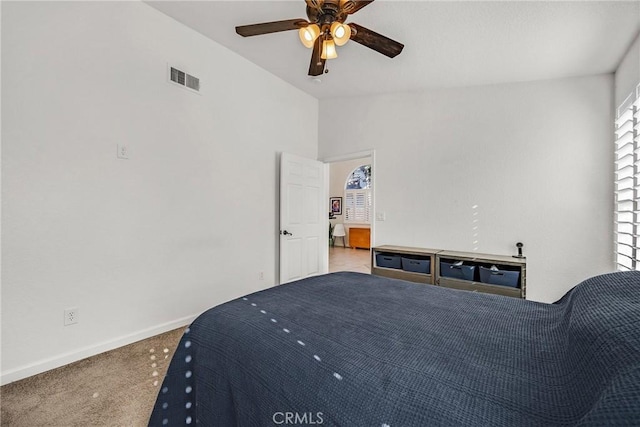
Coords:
pixel 348 259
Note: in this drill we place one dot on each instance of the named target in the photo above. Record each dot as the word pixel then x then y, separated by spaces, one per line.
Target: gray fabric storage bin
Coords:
pixel 389 261
pixel 499 277
pixel 463 272
pixel 416 265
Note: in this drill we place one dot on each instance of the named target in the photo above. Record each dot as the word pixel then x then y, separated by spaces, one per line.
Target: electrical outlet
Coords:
pixel 70 316
pixel 123 151
pixel 261 275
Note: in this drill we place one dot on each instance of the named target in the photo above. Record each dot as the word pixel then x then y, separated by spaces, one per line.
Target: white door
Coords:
pixel 304 223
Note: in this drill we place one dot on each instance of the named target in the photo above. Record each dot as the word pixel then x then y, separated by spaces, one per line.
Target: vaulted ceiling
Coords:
pixel 447 44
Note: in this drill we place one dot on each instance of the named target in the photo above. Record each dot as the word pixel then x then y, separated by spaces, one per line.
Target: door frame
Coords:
pixel 351 156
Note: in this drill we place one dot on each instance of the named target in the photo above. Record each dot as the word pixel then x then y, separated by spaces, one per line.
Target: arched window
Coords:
pixel 360 178
pixel 357 196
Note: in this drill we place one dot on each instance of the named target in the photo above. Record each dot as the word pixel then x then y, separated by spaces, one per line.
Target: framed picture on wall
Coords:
pixel 336 205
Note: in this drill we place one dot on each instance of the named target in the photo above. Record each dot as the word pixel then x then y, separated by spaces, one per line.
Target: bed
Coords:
pixel 351 349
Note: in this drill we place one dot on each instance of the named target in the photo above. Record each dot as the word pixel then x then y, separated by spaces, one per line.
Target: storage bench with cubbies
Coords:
pixel 400 262
pixel 496 274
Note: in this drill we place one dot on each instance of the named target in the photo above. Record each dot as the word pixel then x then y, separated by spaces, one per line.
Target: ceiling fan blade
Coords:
pixel 316 67
pixel 271 27
pixel 352 6
pixel 375 41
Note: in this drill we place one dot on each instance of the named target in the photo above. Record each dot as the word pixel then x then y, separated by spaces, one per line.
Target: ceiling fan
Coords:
pixel 326 28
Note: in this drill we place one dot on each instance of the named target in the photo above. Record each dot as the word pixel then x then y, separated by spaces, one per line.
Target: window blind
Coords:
pixel 358 206
pixel 627 184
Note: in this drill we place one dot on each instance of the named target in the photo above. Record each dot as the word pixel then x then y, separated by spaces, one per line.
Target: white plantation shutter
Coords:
pixel 358 206
pixel 627 184
pixel 349 206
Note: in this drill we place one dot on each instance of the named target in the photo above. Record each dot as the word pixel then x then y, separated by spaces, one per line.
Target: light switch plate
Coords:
pixel 123 151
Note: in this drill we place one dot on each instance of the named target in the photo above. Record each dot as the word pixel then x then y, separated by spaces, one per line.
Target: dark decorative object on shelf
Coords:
pixel 519 245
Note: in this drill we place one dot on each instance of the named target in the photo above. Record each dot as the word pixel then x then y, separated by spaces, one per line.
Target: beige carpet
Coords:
pixel 116 388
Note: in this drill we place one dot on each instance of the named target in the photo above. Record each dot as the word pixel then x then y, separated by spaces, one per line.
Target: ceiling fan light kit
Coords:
pixel 326 29
pixel 309 34
pixel 329 49
pixel 340 33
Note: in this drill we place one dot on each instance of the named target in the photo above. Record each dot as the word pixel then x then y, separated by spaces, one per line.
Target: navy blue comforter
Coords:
pixel 350 349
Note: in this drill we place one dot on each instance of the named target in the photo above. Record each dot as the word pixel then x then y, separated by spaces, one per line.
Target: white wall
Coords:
pixel 532 162
pixel 627 76
pixel 140 245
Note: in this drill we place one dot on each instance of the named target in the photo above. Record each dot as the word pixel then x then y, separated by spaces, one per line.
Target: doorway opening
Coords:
pixel 351 194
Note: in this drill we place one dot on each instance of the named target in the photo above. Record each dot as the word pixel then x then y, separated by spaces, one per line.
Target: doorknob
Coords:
pixel 286 233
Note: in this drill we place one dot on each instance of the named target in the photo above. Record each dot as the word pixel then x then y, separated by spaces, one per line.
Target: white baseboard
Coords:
pixel 83 353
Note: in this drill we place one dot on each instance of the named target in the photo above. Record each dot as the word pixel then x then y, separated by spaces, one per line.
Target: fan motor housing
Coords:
pixel 328 11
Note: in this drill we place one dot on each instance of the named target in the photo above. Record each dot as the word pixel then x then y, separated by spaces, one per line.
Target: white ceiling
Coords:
pixel 447 43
